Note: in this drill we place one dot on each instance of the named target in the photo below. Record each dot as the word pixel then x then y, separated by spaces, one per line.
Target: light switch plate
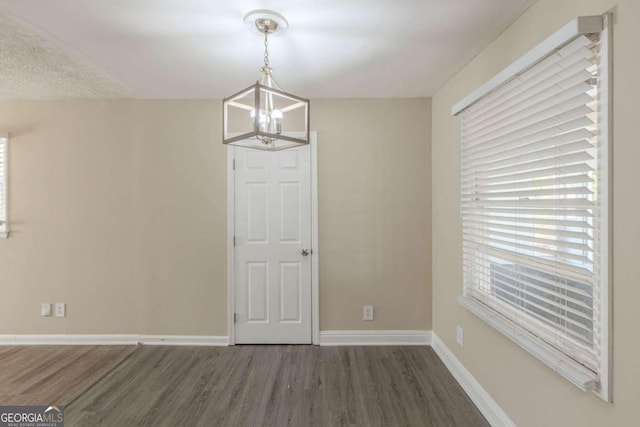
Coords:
pixel 459 335
pixel 45 309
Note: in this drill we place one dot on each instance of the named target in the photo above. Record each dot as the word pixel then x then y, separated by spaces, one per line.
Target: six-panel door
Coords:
pixel 272 228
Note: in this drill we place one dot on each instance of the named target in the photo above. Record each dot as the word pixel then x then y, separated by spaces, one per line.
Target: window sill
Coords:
pixel 4 234
pixel 559 362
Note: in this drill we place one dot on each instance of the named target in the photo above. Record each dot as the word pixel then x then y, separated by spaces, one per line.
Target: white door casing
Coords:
pixel 272 222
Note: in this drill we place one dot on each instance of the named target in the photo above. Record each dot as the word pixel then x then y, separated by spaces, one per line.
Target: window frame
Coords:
pixel 560 362
pixel 4 182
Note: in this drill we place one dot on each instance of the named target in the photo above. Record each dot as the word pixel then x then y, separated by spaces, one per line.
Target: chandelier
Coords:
pixel 263 115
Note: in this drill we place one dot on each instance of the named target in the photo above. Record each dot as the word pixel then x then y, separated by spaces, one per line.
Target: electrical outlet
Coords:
pixel 368 312
pixel 45 309
pixel 61 309
pixel 459 335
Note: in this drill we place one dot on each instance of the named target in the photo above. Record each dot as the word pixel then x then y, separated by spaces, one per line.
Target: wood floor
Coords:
pixel 276 386
pixel 53 375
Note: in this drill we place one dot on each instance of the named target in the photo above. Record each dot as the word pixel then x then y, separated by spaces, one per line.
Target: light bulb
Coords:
pixel 263 117
pixel 269 122
pixel 262 120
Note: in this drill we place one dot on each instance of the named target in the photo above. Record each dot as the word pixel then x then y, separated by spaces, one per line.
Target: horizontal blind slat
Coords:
pixel 477 223
pixel 562 80
pixel 519 248
pixel 575 271
pixel 525 145
pixel 508 239
pixel 517 169
pixel 577 125
pixel 522 158
pixel 539 183
pixel 529 212
pixel 528 270
pixel 578 82
pixel 512 221
pixel 555 63
pixel 581 294
pixel 572 119
pixel 526 192
pixel 550 203
pixel 554 171
pixel 555 104
pixel 504 283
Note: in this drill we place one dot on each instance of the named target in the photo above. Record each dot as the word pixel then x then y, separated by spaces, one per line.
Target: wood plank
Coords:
pixel 53 375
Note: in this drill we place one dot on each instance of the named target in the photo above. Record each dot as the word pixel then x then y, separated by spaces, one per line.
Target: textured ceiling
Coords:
pixel 32 68
pixel 201 48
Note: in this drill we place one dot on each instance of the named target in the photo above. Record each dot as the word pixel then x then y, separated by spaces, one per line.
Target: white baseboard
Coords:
pixel 485 403
pixel 375 337
pixel 391 337
pixel 106 339
pixel 73 339
pixel 198 340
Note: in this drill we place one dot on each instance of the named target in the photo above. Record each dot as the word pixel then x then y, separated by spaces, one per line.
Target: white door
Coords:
pixel 272 237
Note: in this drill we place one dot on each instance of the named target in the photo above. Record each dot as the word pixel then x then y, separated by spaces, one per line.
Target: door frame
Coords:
pixel 231 270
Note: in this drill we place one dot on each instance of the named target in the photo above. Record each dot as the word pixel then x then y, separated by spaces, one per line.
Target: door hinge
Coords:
pixel 235 318
pixel 234 241
pixel 233 164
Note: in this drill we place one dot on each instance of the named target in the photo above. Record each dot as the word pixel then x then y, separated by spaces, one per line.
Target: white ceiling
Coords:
pixel 32 68
pixel 201 48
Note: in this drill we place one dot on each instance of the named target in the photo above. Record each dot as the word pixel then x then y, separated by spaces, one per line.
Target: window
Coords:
pixel 534 203
pixel 4 157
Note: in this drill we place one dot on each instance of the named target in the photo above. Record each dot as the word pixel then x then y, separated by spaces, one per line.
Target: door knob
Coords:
pixel 305 252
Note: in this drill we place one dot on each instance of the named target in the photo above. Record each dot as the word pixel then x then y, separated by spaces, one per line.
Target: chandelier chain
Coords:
pixel 266 49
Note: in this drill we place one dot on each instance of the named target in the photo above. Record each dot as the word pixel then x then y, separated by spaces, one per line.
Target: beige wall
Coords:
pixel 528 391
pixel 118 208
pixel 374 206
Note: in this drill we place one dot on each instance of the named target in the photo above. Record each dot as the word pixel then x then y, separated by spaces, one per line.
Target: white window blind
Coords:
pixel 4 228
pixel 534 207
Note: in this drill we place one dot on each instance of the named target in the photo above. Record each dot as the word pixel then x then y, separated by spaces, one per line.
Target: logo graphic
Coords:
pixel 32 416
